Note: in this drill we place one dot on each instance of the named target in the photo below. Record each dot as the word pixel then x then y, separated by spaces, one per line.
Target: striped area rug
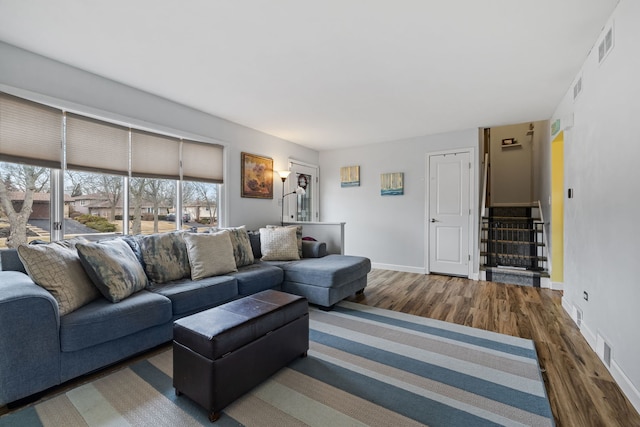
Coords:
pixel 366 367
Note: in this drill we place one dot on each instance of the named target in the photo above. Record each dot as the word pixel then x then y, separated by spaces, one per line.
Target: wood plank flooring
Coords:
pixel 581 390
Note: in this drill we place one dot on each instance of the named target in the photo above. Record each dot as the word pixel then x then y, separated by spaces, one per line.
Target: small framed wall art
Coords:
pixel 257 176
pixel 392 184
pixel 350 176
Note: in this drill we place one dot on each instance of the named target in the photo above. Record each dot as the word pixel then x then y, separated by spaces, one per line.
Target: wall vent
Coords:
pixel 577 88
pixel 607 355
pixel 605 45
pixel 603 349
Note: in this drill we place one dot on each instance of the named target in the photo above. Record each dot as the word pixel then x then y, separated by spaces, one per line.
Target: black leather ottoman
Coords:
pixel 221 353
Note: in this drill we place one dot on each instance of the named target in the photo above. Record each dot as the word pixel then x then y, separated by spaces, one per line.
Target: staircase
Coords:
pixel 512 246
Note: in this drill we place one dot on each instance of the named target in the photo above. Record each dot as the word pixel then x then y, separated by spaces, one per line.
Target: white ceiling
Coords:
pixel 327 73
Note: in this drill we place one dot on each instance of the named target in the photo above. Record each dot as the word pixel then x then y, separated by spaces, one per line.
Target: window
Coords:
pixel 200 202
pixel 99 207
pixel 151 200
pixel 116 179
pixel 24 204
pixel 29 148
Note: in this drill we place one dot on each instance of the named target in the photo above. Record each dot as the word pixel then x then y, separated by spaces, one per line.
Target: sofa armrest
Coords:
pixel 29 337
pixel 313 249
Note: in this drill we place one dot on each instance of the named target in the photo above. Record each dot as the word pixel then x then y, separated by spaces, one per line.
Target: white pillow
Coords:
pixel 279 244
pixel 209 254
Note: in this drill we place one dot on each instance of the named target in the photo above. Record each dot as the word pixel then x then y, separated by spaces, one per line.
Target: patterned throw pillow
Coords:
pixel 298 229
pixel 113 268
pixel 210 254
pixel 241 245
pixel 56 267
pixel 165 256
pixel 279 244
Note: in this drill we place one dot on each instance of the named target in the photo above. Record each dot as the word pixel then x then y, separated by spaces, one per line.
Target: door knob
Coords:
pixel 434 220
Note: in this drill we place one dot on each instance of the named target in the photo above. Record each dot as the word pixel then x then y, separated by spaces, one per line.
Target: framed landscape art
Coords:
pixel 392 184
pixel 257 176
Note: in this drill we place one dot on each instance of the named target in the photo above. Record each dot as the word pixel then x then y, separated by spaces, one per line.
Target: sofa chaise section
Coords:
pixel 328 280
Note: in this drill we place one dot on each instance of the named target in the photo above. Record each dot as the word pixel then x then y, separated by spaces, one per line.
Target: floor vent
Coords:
pixel 605 45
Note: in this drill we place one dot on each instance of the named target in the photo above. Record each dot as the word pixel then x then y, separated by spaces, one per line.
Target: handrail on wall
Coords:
pixel 484 184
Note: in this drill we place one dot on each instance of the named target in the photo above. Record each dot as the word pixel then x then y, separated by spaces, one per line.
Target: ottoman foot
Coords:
pixel 178 392
pixel 303 354
pixel 360 292
pixel 214 416
pixel 323 308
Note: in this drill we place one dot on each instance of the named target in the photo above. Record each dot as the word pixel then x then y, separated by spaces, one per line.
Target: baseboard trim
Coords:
pixel 568 308
pixel 629 390
pixel 402 268
pixel 556 286
pixel 625 384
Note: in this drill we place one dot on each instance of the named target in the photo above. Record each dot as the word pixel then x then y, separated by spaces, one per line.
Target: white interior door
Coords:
pixel 449 213
pixel 302 207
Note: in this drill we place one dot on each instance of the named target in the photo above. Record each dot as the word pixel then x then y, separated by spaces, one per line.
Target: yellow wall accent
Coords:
pixel 557 208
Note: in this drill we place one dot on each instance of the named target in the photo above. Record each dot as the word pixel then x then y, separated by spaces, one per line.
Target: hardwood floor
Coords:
pixel 581 390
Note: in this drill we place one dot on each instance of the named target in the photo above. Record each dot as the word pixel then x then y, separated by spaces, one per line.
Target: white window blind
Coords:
pixel 30 132
pixel 201 162
pixel 154 155
pixel 97 146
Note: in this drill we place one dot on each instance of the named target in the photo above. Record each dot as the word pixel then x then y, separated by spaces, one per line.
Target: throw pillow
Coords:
pixel 57 268
pixel 279 244
pixel 210 254
pixel 165 256
pixel 113 268
pixel 298 229
pixel 241 245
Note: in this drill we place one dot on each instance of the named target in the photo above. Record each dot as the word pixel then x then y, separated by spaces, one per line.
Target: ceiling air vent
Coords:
pixel 577 88
pixel 605 45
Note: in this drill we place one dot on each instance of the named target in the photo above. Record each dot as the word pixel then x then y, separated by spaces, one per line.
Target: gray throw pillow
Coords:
pixel 113 268
pixel 165 256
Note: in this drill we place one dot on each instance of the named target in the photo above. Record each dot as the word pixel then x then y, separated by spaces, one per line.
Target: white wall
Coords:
pixel 390 230
pixel 512 180
pixel 602 237
pixel 26 74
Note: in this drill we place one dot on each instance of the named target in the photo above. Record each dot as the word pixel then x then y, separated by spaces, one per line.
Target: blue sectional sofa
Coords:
pixel 40 348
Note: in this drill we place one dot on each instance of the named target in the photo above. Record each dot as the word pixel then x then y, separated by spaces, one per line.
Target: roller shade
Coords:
pixel 97 146
pixel 202 162
pixel 154 155
pixel 30 132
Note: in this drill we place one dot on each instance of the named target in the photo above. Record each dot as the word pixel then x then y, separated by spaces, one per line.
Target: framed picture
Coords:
pixel 257 176
pixel 392 184
pixel 350 176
